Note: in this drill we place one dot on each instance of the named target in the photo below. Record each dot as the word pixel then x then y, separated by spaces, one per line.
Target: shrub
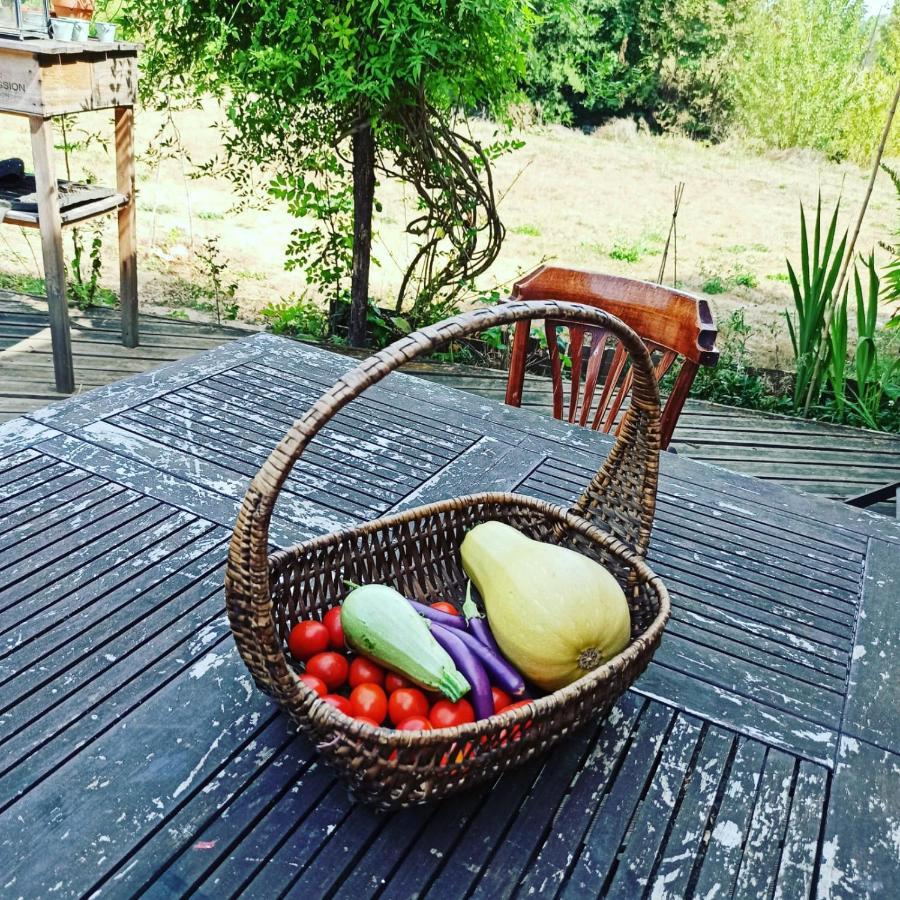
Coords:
pixel 891 291
pixel 800 73
pixel 866 108
pixel 733 382
pixel 715 284
pixel 298 318
pixel 625 252
pixel 666 60
pixel 719 283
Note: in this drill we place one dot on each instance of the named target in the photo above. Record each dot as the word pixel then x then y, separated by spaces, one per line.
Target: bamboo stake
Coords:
pixel 673 231
pixel 829 312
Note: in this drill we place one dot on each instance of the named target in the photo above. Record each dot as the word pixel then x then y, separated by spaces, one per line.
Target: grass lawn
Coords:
pixel 600 201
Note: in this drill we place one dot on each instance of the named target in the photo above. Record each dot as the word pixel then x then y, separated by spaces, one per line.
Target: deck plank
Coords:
pixel 873 697
pixel 26 361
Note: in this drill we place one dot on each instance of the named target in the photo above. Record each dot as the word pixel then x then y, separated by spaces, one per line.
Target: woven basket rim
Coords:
pixel 631 655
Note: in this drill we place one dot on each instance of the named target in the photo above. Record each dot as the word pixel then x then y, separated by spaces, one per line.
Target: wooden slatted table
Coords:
pixel 756 757
pixel 45 78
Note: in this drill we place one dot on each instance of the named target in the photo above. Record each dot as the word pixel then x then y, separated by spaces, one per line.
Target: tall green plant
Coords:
pixel 876 379
pixel 837 359
pixel 819 269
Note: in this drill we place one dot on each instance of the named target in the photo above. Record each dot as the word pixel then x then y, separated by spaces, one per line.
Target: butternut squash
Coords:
pixel 555 613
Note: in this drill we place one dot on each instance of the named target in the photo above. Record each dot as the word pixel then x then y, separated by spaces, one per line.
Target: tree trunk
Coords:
pixel 363 199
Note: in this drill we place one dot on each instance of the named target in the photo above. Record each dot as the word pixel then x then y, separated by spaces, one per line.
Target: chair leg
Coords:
pixel 516 380
pixel 675 403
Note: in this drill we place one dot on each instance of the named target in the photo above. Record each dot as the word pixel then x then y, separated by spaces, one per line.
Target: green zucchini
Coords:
pixel 381 624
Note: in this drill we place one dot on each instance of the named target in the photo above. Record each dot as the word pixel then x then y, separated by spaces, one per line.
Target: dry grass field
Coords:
pixel 601 201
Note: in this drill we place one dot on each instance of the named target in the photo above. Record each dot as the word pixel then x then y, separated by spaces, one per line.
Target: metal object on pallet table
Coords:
pixel 21 20
pixel 883 494
pixel 44 78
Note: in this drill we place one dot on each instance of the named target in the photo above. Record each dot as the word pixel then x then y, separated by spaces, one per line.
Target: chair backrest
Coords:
pixel 673 325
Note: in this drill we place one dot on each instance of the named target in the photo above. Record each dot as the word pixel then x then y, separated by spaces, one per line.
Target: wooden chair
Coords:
pixel 672 324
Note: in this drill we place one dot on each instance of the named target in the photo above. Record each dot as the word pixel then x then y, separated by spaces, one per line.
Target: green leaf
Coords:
pixel 401 324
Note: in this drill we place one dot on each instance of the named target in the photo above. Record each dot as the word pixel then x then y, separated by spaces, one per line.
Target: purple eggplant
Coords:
pixel 439 616
pixel 477 623
pixel 468 664
pixel 479 627
pixel 505 676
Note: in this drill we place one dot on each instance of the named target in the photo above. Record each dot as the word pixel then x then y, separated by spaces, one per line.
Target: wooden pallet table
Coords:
pixel 756 757
pixel 45 78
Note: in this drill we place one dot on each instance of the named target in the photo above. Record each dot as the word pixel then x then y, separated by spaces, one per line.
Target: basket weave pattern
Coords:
pixel 417 552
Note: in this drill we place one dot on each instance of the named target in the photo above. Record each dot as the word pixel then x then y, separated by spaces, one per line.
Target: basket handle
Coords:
pixel 620 499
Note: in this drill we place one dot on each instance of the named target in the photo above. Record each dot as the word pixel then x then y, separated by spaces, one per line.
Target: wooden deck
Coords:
pixel 755 757
pixel 827 460
pixel 26 362
pixel 815 457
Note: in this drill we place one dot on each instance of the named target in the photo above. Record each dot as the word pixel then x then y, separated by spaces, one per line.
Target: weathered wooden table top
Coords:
pixel 757 756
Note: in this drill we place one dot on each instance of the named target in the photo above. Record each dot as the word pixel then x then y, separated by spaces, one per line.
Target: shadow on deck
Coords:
pixel 815 457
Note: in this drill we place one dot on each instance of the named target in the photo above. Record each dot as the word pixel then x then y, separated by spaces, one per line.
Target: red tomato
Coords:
pixel 315 683
pixel 307 639
pixel 331 667
pixel 518 705
pixel 406 702
pixel 332 622
pixel 415 723
pixel 501 699
pixel 443 606
pixel 364 671
pixel 393 682
pixel 368 721
pixel 339 703
pixel 445 714
pixel 369 700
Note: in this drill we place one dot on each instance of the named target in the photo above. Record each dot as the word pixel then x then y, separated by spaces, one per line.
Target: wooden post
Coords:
pixel 52 248
pixel 128 295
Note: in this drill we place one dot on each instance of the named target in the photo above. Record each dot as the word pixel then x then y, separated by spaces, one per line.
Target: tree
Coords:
pixel 669 61
pixel 326 95
pixel 801 72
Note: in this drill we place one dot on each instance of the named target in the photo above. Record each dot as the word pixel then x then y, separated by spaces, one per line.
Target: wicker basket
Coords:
pixel 417 552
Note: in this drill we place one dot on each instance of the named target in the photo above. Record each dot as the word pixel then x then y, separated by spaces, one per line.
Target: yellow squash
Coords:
pixel 555 613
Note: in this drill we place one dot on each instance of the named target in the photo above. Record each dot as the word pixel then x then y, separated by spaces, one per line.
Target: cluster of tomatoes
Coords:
pixel 364 690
